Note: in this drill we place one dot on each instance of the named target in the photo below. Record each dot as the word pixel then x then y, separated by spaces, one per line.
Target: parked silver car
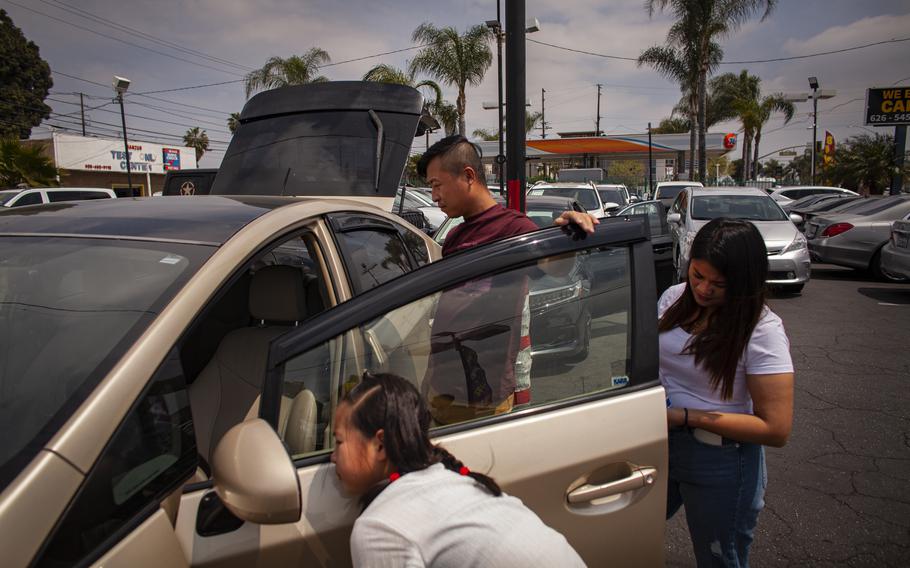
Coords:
pixel 896 253
pixel 785 195
pixel 788 259
pixel 856 239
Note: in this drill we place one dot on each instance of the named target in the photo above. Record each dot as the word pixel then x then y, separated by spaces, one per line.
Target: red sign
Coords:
pixel 730 141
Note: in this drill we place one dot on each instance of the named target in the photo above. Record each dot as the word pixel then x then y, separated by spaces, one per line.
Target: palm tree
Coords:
pixel 866 162
pixel 486 135
pixel 198 140
pixel 768 105
pixel 699 24
pixel 447 115
pixel 742 94
pixel 295 70
pixel 25 165
pixel 680 62
pixel 454 59
pixel 387 74
pixel 233 122
pixel 672 125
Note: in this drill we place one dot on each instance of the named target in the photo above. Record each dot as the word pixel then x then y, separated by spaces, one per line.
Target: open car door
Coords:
pixel 584 446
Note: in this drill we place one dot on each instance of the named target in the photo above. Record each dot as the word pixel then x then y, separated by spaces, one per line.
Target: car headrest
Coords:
pixel 278 294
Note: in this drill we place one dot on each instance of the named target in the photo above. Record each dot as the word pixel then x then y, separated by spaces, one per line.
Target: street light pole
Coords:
pixel 501 158
pixel 813 84
pixel 121 84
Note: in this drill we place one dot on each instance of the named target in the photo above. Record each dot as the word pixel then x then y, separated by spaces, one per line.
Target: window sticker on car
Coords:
pixel 170 259
pixel 622 381
pixel 536 192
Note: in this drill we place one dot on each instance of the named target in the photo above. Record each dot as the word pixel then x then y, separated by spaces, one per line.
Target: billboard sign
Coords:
pixel 171 158
pixel 86 153
pixel 889 106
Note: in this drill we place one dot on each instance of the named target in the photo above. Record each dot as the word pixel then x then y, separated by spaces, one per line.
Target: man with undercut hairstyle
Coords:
pixel 471 378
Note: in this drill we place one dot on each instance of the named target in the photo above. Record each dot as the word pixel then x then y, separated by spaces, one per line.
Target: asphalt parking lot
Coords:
pixel 839 492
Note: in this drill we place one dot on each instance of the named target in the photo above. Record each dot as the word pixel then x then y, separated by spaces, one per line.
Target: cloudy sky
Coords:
pixel 173 44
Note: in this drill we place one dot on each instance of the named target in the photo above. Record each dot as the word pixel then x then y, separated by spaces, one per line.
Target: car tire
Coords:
pixel 875 267
pixel 585 343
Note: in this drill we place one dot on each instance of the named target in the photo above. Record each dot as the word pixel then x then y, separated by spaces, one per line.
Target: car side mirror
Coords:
pixel 610 207
pixel 797 219
pixel 674 218
pixel 634 199
pixel 254 476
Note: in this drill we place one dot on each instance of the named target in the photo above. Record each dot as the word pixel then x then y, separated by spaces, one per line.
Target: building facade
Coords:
pixel 86 161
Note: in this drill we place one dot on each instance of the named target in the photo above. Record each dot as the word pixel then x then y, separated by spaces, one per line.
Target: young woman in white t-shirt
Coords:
pixel 725 364
pixel 423 507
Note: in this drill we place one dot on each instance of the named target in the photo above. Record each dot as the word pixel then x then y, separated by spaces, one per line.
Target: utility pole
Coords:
pixel 650 161
pixel 515 102
pixel 597 132
pixel 82 109
pixel 900 148
pixel 543 113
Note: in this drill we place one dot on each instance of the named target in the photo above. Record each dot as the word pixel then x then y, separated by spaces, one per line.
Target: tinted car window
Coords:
pixel 7 196
pixel 152 452
pixel 373 257
pixel 669 191
pixel 28 199
pixel 454 345
pixel 69 308
pixel 612 196
pixel 55 196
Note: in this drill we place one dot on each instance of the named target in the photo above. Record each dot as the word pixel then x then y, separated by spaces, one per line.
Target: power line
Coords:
pixel 134 115
pixel 119 40
pixel 776 59
pixel 124 28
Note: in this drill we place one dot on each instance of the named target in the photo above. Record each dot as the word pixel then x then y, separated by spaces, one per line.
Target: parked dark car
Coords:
pixel 189 182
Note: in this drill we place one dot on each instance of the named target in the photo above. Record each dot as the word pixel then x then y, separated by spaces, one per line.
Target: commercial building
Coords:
pixel 669 153
pixel 86 161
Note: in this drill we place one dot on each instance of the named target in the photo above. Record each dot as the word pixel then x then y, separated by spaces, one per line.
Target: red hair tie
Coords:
pixel 394 476
pixel 464 470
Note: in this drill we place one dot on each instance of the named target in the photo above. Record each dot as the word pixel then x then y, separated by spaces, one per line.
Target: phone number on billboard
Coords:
pixel 901 117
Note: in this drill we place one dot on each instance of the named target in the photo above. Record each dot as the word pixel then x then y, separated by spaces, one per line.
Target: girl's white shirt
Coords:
pixel 688 386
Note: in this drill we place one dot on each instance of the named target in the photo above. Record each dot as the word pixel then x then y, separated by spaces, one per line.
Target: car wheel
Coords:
pixel 585 342
pixel 879 273
pixel 792 288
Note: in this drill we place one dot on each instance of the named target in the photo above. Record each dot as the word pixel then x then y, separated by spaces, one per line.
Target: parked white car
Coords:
pixel 585 193
pixel 786 195
pixel 41 195
pixel 788 256
pixel 666 191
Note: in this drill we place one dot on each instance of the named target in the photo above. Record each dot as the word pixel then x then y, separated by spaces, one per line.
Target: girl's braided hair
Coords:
pixel 390 403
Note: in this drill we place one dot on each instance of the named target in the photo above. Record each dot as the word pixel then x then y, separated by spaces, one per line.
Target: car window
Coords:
pixel 55 196
pixel 373 257
pixel 656 220
pixel 751 207
pixel 669 191
pixel 28 199
pixel 586 197
pixel 612 196
pixel 6 196
pixel 483 347
pixel 69 309
pixel 150 455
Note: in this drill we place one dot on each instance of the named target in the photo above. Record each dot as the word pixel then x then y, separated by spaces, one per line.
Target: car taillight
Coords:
pixel 836 229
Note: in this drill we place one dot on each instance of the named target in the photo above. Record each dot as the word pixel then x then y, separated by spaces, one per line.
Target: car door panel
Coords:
pixel 153 543
pixel 542 453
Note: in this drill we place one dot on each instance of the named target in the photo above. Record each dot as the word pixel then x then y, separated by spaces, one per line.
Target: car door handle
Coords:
pixel 639 478
pixel 658 249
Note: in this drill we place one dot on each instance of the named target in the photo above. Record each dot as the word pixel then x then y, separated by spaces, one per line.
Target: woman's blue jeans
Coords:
pixel 723 489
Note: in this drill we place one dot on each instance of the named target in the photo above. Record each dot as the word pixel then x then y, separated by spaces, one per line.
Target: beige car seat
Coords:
pixel 227 390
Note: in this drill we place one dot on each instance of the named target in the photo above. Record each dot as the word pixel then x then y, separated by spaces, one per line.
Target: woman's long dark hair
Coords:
pixel 390 403
pixel 737 250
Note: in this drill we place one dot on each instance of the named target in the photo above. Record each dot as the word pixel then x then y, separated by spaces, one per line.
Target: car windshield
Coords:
pixel 612 196
pixel 7 195
pixel 751 207
pixel 586 197
pixel 69 310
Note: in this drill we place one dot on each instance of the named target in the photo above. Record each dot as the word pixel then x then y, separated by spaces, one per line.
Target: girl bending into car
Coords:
pixel 421 506
pixel 725 364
